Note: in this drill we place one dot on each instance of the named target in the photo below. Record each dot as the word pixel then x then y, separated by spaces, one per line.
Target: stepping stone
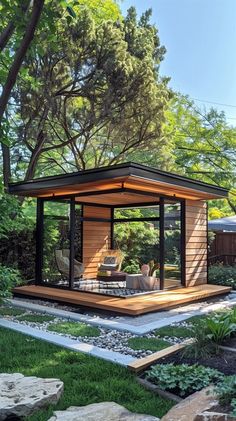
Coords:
pixel 103 411
pixel 21 396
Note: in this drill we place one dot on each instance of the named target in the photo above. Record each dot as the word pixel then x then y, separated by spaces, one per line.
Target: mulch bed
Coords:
pixel 225 361
pixel 231 343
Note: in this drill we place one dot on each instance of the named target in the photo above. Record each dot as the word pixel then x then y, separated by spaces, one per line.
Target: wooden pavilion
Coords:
pixel 97 194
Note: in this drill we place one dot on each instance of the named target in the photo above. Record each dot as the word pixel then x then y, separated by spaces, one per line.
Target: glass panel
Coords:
pixel 139 242
pixel 142 212
pixel 172 244
pixel 56 243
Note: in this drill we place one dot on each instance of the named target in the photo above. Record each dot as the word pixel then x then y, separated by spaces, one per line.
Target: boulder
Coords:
pixel 214 416
pixel 190 408
pixel 103 411
pixel 20 396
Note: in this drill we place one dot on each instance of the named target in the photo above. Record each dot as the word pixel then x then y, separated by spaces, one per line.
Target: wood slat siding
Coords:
pixel 96 238
pixel 196 243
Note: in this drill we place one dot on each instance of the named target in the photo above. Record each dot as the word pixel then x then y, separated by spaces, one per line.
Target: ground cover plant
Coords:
pixel 150 344
pixel 226 393
pixel 74 329
pixel 183 379
pixel 86 379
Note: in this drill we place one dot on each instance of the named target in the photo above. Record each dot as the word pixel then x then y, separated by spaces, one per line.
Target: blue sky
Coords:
pixel 200 38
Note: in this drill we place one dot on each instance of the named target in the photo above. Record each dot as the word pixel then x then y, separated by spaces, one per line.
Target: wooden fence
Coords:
pixel 223 248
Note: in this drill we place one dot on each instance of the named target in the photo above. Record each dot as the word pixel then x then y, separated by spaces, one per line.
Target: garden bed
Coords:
pixel 225 361
pixel 231 343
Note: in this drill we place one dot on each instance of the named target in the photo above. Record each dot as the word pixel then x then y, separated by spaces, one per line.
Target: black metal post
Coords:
pixel 112 229
pixel 72 242
pixel 162 243
pixel 39 243
pixel 183 241
pixel 81 233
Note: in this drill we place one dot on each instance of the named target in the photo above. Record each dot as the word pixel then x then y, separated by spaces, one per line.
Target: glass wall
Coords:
pixel 136 234
pixel 172 243
pixel 56 243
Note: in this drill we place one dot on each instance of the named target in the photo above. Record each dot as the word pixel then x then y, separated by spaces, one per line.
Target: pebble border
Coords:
pixel 71 344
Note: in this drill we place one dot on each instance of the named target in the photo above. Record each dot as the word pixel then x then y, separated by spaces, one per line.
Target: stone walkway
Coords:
pixel 137 325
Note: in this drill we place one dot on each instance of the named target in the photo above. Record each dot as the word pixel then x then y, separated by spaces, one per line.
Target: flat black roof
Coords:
pixel 114 171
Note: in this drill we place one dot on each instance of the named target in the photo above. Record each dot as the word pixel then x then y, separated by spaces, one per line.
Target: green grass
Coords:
pixel 151 344
pixel 75 329
pixel 10 311
pixel 178 331
pixel 86 379
pixel 173 331
pixel 36 318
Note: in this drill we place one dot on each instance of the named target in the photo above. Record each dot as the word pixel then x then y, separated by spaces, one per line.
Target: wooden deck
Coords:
pixel 130 306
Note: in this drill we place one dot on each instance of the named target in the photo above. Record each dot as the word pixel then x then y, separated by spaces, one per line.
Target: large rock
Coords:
pixel 214 416
pixel 197 407
pixel 104 411
pixel 21 396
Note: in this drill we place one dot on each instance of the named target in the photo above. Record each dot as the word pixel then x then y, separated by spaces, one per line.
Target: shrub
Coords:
pixel 9 278
pixel 210 332
pixel 222 275
pixel 226 392
pixel 219 328
pixel 183 379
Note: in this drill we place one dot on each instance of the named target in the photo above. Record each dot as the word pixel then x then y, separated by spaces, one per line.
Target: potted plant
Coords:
pixel 149 280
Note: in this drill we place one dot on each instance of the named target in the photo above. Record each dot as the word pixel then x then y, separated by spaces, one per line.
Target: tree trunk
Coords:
pixel 8 31
pixel 12 75
pixel 6 164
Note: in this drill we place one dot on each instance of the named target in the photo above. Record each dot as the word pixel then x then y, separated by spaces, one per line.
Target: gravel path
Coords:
pixel 110 339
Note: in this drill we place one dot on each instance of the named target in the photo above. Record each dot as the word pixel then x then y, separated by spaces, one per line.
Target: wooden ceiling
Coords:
pixel 118 190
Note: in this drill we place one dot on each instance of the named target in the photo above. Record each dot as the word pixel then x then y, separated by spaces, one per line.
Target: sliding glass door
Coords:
pixel 172 243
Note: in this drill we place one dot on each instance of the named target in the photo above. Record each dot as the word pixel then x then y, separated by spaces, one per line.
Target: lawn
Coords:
pixel 150 344
pixel 178 331
pixel 74 329
pixel 36 318
pixel 10 311
pixel 86 379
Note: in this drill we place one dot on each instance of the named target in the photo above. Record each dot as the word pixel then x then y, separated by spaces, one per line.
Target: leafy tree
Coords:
pixel 102 80
pixel 203 147
pixel 22 45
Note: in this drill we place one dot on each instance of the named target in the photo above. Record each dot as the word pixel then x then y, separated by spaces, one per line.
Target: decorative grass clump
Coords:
pixel 74 329
pixel 86 379
pixel 148 344
pixel 36 318
pixel 10 311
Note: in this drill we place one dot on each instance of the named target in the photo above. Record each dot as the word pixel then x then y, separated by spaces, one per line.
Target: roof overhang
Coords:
pixel 119 184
